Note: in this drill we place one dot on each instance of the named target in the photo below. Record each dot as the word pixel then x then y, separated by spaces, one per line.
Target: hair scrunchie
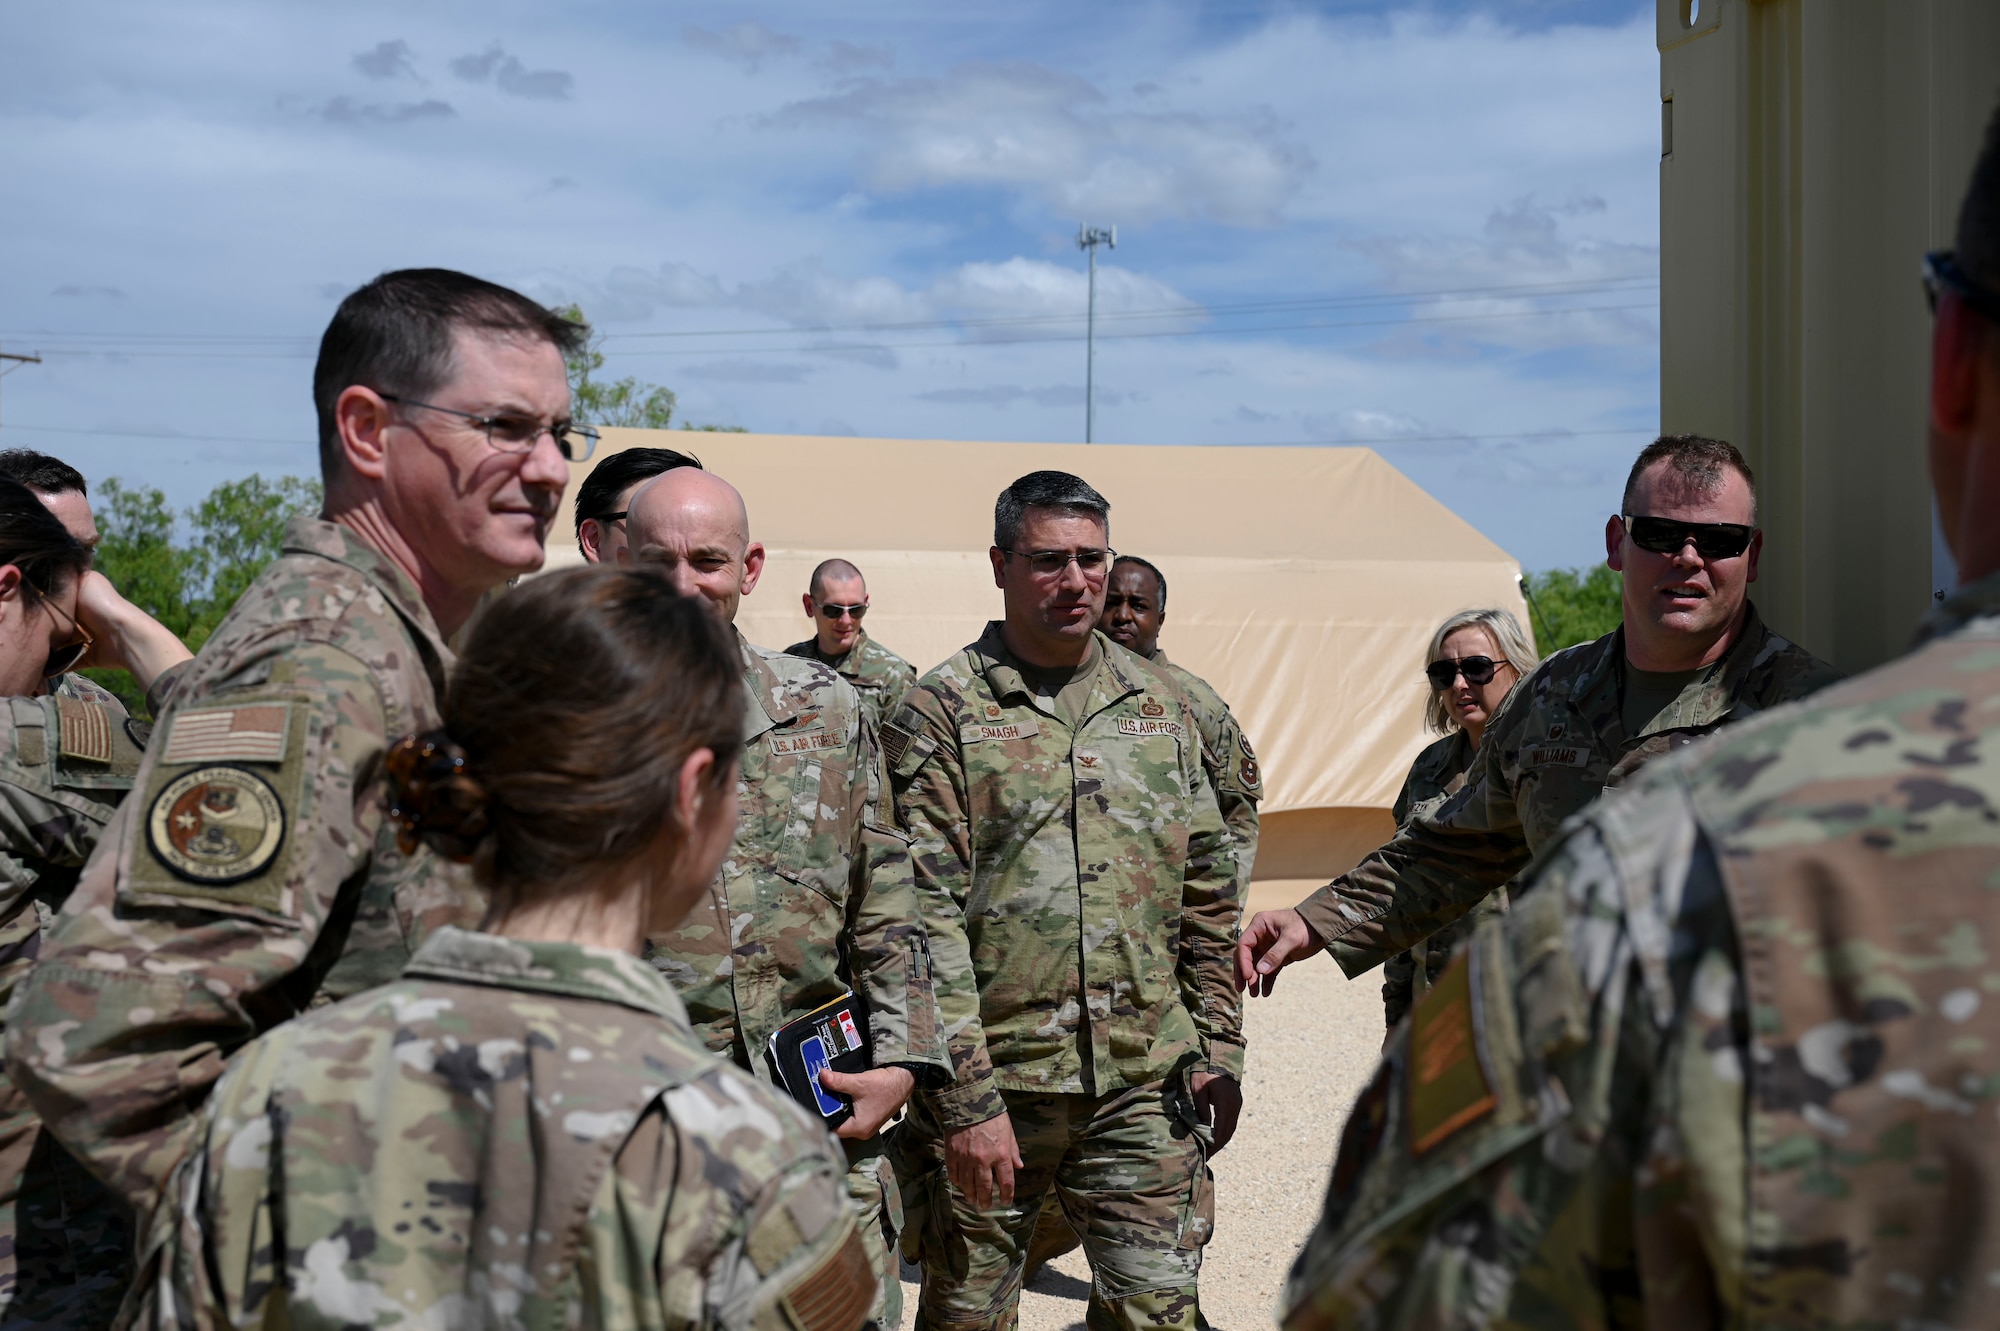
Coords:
pixel 434 797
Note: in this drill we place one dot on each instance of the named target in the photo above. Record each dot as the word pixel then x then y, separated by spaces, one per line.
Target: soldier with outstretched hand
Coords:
pixel 1690 657
pixel 1734 1058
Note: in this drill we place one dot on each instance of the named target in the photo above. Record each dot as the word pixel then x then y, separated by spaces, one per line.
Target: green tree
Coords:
pixel 1573 605
pixel 187 570
pixel 623 402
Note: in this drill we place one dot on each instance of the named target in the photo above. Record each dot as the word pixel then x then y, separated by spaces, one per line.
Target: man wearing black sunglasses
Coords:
pixel 253 871
pixel 835 600
pixel 1691 656
pixel 1748 1001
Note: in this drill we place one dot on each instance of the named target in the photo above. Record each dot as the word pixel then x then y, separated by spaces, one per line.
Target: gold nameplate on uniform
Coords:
pixel 1448 1086
pixel 1022 729
pixel 1556 755
pixel 1133 725
pixel 806 743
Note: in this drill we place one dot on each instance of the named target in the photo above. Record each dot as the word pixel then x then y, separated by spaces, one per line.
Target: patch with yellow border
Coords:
pixel 1448 1088
pixel 216 825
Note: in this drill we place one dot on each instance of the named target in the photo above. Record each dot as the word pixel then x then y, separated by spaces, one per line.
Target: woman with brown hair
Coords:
pixel 523 1129
pixel 1475 660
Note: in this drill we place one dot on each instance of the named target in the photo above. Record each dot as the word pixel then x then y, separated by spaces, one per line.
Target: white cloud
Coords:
pixel 512 77
pixel 386 60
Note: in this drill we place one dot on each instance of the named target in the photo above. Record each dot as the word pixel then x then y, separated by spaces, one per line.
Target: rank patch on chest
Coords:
pixel 1023 729
pixel 808 742
pixel 1448 1086
pixel 216 825
pixel 1135 725
pixel 254 733
pixel 1152 707
pixel 1556 755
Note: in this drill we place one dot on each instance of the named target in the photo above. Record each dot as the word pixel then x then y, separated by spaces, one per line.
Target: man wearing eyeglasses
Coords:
pixel 816 896
pixel 1079 884
pixel 253 871
pixel 835 600
pixel 1734 1059
pixel 1690 657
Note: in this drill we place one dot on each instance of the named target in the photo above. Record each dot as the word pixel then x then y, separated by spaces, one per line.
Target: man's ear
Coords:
pixel 10 582
pixel 753 566
pixel 359 417
pixel 812 611
pixel 590 539
pixel 1614 543
pixel 999 558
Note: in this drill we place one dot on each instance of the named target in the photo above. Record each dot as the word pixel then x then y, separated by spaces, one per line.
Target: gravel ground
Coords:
pixel 1313 1045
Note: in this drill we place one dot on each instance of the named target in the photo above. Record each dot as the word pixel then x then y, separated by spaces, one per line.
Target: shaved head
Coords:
pixel 832 571
pixel 694 525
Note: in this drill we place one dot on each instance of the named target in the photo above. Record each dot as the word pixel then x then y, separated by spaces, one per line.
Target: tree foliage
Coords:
pixel 1573 605
pixel 188 569
pixel 621 402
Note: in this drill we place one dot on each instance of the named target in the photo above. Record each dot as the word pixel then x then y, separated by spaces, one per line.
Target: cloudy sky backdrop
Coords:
pixel 1431 229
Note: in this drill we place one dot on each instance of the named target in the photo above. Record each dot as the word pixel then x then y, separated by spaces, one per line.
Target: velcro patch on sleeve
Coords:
pixel 1448 1085
pixel 1025 728
pixel 253 732
pixel 1143 725
pixel 836 1294
pixel 86 730
pixel 808 741
pixel 895 740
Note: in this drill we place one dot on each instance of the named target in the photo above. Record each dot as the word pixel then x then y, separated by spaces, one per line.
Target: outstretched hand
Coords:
pixel 1274 940
pixel 877 1094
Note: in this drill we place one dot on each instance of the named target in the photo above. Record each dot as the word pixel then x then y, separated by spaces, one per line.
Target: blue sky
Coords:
pixel 1433 229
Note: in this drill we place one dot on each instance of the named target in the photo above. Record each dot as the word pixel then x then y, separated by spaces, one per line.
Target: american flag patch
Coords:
pixel 86 730
pixel 224 734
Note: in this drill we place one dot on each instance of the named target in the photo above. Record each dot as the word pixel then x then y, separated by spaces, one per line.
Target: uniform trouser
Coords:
pixel 1130 1172
pixel 65 1239
pixel 871 1185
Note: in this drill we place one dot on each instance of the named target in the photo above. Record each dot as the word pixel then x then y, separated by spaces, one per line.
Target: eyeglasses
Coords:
pixel 1050 563
pixel 518 434
pixel 1668 536
pixel 1476 669
pixel 1942 273
pixel 65 657
pixel 854 612
pixel 619 516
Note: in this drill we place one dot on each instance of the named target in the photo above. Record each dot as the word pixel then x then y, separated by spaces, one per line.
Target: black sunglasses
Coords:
pixel 836 611
pixel 1668 536
pixel 64 657
pixel 1476 669
pixel 1942 273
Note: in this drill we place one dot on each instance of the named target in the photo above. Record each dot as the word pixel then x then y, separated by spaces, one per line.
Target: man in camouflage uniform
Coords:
pixel 253 873
pixel 609 1173
pixel 1736 1060
pixel 1081 890
pixel 837 600
pixel 816 895
pixel 1691 656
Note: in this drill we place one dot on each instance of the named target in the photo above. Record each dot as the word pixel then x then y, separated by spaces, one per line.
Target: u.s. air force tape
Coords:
pixel 216 825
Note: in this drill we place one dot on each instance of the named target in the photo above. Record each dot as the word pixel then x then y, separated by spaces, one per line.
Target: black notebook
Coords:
pixel 835 1036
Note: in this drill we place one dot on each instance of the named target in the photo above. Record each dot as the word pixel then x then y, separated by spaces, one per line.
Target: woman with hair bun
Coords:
pixel 523 1129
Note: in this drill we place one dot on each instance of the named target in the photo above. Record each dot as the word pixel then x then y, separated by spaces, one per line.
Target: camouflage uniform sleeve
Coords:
pixel 1487 1174
pixel 888 953
pixel 1211 917
pixel 927 781
pixel 1238 786
pixel 148 981
pixel 1437 867
pixel 902 678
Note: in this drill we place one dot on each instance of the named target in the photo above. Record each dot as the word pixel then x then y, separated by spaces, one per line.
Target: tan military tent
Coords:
pixel 1303 583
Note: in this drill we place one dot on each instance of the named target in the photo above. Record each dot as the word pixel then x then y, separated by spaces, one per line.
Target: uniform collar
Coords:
pixel 852 656
pixel 330 540
pixel 774 700
pixel 571 970
pixel 1711 698
pixel 1975 600
pixel 1118 674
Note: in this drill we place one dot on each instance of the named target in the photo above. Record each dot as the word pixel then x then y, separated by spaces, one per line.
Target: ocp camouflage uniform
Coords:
pixel 516 1134
pixel 816 896
pixel 1556 743
pixel 1437 774
pixel 64 767
pixel 1736 1063
pixel 879 675
pixel 253 873
pixel 1080 893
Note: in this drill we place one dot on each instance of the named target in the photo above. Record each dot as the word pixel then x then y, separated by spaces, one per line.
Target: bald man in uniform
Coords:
pixel 835 603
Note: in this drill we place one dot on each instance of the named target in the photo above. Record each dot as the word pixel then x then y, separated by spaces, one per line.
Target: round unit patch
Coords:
pixel 217 825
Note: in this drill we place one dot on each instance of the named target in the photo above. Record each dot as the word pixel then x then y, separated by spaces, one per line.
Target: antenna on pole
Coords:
pixel 20 360
pixel 1088 238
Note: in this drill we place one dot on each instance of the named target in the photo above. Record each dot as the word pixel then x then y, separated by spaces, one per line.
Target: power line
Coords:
pixel 161 434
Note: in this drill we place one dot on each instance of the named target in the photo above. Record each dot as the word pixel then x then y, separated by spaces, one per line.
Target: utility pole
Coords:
pixel 20 360
pixel 1088 238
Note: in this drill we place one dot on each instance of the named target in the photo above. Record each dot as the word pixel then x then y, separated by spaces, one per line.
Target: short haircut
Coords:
pixel 620 472
pixel 397 335
pixel 1505 630
pixel 576 700
pixel 832 570
pixel 39 471
pixel 1697 460
pixel 33 540
pixel 1978 240
pixel 1046 489
pixel 1150 567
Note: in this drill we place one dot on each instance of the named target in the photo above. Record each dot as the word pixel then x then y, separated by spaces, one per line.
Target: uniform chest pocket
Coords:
pixel 1137 767
pixel 793 792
